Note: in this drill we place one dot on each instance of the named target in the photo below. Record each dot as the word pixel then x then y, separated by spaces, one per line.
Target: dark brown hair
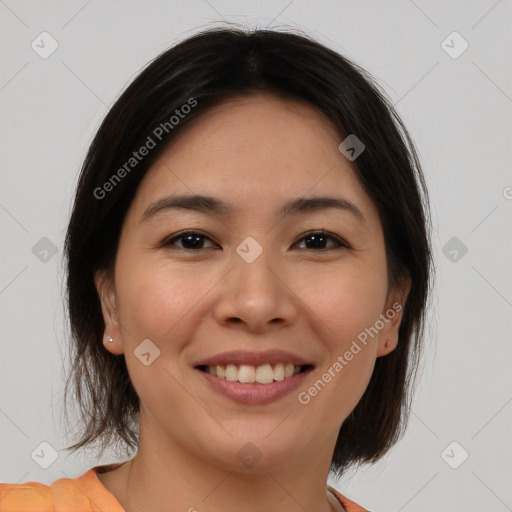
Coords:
pixel 207 68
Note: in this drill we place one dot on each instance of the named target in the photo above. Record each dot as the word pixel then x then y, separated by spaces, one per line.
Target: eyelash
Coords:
pixel 341 244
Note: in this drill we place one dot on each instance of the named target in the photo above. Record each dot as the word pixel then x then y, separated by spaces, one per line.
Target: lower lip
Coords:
pixel 255 394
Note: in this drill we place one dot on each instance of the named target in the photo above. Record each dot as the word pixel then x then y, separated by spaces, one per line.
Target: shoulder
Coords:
pixel 81 494
pixel 350 506
pixel 30 496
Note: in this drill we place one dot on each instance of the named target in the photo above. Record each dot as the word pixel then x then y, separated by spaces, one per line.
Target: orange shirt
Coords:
pixel 85 493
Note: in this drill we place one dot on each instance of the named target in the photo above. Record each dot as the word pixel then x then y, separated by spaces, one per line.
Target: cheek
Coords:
pixel 158 297
pixel 346 307
pixel 160 302
pixel 346 300
pixel 348 304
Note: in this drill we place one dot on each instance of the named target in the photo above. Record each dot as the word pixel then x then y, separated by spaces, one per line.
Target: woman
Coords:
pixel 248 264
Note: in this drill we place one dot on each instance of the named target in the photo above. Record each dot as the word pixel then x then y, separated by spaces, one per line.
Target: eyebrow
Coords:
pixel 212 205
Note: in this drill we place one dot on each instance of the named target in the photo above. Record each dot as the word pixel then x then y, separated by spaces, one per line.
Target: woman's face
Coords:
pixel 252 280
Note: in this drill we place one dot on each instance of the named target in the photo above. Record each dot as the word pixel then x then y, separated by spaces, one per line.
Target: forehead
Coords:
pixel 254 125
pixel 258 151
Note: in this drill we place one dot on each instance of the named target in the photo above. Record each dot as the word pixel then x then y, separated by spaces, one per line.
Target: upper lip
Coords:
pixel 239 357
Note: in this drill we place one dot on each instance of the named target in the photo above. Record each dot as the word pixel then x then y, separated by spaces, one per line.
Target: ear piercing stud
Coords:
pixel 385 344
pixel 110 339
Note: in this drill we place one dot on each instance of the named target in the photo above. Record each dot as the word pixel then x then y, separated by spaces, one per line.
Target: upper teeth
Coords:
pixel 263 374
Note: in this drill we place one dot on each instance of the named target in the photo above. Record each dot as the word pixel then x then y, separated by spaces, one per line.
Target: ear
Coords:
pixel 106 292
pixel 392 315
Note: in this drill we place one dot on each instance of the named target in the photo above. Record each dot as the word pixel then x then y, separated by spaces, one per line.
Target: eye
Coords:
pixel 194 240
pixel 191 240
pixel 318 240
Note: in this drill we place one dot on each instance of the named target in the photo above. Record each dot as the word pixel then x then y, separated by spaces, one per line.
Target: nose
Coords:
pixel 256 296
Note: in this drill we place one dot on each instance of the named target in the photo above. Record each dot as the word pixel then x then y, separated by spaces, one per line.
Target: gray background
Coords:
pixel 458 111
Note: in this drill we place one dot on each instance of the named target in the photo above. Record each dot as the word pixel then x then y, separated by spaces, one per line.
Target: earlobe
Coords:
pixel 388 337
pixel 112 345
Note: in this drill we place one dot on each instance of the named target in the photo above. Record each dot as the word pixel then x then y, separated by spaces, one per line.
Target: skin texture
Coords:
pixel 197 303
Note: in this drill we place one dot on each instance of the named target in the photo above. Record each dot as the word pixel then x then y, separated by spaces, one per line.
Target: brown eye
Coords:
pixel 190 240
pixel 317 240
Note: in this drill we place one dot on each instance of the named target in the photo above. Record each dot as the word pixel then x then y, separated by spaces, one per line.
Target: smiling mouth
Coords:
pixel 249 374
